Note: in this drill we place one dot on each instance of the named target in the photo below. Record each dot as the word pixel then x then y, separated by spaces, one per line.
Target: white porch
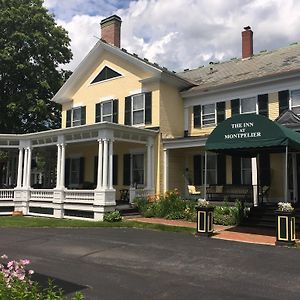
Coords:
pixel 63 202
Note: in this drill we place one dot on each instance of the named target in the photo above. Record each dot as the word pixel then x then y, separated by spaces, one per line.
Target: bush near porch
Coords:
pixel 172 206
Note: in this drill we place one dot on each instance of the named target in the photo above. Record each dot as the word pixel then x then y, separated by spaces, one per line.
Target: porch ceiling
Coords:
pixel 79 134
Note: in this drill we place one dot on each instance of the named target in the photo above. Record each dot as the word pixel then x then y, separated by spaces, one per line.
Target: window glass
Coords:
pixel 248 105
pixel 74 170
pixel 106 111
pixel 138 109
pixel 211 169
pixel 295 95
pixel 246 170
pixel 76 116
pixel 208 114
pixel 138 168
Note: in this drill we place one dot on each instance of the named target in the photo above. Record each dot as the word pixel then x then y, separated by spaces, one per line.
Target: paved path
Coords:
pixel 107 263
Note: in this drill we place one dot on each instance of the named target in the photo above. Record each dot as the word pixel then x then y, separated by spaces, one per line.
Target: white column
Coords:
pixel 62 166
pixel 28 183
pixel 254 180
pixel 286 175
pixel 110 177
pixel 105 163
pixel 58 166
pixel 100 164
pixel 205 174
pixel 20 168
pixel 149 183
pixel 166 169
pixel 295 185
pixel 25 165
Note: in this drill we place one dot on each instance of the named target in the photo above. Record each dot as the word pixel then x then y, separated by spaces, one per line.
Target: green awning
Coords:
pixel 251 133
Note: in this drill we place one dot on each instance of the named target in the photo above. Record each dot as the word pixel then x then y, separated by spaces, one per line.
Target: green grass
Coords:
pixel 39 222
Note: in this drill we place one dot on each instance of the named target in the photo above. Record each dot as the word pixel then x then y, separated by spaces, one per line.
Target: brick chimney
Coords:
pixel 247 42
pixel 111 30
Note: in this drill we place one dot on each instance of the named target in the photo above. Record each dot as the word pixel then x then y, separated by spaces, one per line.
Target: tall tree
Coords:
pixel 32 47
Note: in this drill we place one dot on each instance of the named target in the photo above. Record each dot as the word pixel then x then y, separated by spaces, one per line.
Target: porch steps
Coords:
pixel 264 216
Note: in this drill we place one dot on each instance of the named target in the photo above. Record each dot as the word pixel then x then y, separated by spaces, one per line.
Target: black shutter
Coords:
pixel 197 169
pixel 197 116
pixel 283 101
pixel 98 113
pixel 95 169
pixel 69 118
pixel 148 108
pixel 83 113
pixel 126 169
pixel 264 169
pixel 263 105
pixel 115 110
pixel 221 169
pixel 236 170
pixel 81 170
pixel 67 172
pixel 220 112
pixel 235 107
pixel 128 110
pixel 115 169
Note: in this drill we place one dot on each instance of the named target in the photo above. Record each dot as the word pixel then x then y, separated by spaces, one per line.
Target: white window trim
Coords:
pixel 72 116
pixel 144 110
pixel 256 105
pixel 215 121
pixel 291 99
pixel 111 110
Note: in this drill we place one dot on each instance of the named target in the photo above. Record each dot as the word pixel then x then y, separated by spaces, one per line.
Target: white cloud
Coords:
pixel 187 33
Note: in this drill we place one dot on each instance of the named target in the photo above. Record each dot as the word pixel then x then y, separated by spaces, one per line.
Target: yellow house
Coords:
pixel 131 127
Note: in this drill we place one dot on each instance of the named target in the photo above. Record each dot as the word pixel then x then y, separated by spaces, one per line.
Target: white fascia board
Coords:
pixel 184 143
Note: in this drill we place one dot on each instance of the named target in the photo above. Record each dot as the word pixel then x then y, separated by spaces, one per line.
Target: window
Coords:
pixel 76 116
pixel 248 105
pixel 211 169
pixel 246 170
pixel 295 101
pixel 106 73
pixel 137 169
pixel 107 111
pixel 208 114
pixel 74 171
pixel 138 109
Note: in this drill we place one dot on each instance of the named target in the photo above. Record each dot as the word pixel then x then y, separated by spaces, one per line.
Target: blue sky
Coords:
pixel 180 34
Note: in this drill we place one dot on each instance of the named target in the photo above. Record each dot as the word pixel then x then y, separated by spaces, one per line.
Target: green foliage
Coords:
pixel 32 47
pixel 170 206
pixel 113 216
pixel 229 215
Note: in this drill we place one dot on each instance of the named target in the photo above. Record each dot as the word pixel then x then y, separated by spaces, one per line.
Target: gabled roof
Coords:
pixel 262 65
pixel 85 68
pixel 289 119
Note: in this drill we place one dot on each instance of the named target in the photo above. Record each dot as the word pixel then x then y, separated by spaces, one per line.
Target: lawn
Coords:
pixel 21 222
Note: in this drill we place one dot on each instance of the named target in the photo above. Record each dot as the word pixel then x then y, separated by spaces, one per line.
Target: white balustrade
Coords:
pixel 79 196
pixel 6 194
pixel 41 195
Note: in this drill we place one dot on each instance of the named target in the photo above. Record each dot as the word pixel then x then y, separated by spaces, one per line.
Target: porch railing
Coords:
pixel 41 195
pixel 6 194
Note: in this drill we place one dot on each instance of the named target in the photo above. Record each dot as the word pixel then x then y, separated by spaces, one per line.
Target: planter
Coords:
pixel 285 228
pixel 205 217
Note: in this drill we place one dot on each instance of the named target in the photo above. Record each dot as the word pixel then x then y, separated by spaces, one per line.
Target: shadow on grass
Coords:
pixel 67 287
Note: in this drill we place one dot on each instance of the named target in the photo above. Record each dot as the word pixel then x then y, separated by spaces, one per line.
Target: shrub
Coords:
pixel 113 216
pixel 229 215
pixel 15 283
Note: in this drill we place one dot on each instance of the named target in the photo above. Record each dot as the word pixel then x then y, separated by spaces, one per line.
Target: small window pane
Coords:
pixel 106 108
pixel 295 95
pixel 138 168
pixel 76 115
pixel 248 105
pixel 208 109
pixel 106 118
pixel 138 117
pixel 138 102
pixel 246 170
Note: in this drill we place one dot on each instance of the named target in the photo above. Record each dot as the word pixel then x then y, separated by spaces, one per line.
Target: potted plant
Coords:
pixel 285 224
pixel 204 218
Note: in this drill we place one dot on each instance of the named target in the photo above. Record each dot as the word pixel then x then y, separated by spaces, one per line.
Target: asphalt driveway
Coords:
pixel 107 263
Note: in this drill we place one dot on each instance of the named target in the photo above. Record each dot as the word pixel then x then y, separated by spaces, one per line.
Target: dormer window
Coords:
pixel 106 73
